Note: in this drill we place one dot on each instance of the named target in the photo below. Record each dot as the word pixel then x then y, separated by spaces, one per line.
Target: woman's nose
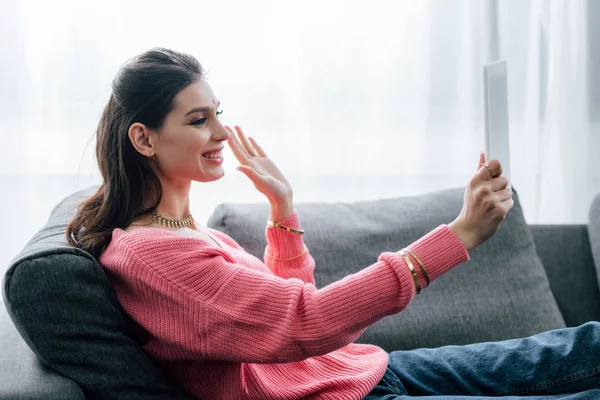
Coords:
pixel 222 133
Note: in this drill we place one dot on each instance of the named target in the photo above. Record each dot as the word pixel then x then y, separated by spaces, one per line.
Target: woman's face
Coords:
pixel 187 146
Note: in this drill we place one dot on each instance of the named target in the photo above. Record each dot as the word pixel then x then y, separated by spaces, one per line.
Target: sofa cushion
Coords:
pixel 594 233
pixel 566 254
pixel 22 376
pixel 502 293
pixel 65 309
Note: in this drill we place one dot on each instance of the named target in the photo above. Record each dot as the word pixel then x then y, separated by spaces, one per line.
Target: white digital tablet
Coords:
pixel 497 133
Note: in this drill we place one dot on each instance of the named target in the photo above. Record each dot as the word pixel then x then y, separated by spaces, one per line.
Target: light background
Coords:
pixel 352 100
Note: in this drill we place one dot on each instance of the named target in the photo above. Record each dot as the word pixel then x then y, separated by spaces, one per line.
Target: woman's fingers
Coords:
pixel 504 194
pixel 481 161
pixel 259 149
pixel 236 147
pixel 245 143
pixel 498 184
pixel 507 205
pixel 487 173
pixel 241 145
pixel 250 172
pixel 499 172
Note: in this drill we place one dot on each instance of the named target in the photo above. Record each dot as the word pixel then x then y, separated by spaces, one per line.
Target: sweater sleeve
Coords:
pixel 207 304
pixel 284 244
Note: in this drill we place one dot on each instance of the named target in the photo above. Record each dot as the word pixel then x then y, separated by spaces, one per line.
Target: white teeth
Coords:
pixel 212 155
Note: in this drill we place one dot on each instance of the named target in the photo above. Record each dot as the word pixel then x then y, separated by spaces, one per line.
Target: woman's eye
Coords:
pixel 219 113
pixel 199 122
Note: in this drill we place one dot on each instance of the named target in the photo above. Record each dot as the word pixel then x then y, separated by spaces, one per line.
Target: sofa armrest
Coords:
pixel 22 376
pixel 567 258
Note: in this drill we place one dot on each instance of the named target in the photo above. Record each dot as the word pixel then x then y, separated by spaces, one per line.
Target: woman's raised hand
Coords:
pixel 487 200
pixel 257 166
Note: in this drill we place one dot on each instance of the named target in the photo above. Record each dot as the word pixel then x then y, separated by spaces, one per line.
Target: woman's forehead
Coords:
pixel 196 95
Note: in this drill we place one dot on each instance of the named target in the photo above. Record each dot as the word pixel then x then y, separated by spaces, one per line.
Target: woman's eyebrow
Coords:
pixel 201 109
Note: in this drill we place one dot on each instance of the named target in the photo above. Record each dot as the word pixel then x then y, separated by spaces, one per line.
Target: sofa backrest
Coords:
pixel 502 293
pixel 566 254
pixel 594 232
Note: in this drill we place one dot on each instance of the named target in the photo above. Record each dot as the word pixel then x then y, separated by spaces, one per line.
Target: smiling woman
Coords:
pixel 224 324
pixel 159 132
pixel 189 132
pixel 160 120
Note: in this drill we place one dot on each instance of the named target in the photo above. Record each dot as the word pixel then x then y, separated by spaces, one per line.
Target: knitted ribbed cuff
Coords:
pixel 440 250
pixel 284 244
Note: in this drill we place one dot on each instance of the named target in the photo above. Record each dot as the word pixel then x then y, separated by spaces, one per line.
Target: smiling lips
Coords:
pixel 213 154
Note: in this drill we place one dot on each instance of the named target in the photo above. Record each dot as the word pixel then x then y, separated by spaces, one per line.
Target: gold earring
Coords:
pixel 153 157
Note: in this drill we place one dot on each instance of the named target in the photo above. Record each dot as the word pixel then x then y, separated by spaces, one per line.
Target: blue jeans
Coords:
pixel 558 364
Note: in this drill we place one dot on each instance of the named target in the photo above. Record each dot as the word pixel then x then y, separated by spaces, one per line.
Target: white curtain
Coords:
pixel 353 100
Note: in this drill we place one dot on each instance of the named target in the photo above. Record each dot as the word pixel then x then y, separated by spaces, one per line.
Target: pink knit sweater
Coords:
pixel 225 325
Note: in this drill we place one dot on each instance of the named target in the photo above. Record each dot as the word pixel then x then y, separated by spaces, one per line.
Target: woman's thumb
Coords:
pixel 248 171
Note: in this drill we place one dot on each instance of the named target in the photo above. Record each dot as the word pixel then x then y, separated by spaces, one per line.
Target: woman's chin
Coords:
pixel 212 176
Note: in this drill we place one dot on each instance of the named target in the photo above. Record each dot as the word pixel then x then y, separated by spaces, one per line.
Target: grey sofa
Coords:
pixel 63 336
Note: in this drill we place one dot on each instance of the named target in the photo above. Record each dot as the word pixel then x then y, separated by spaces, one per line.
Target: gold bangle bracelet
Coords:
pixel 288 259
pixel 287 228
pixel 420 264
pixel 412 270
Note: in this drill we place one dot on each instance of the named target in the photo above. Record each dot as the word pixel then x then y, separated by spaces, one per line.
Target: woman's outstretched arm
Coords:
pixel 205 303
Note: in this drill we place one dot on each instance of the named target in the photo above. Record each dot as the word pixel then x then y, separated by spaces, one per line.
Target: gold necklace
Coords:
pixel 173 223
pixel 178 223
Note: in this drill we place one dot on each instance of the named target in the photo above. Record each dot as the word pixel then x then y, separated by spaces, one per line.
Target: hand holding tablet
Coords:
pixel 484 210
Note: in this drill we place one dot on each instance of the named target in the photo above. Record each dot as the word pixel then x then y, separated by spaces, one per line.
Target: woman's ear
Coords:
pixel 139 135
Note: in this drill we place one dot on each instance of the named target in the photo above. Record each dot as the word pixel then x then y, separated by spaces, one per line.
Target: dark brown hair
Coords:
pixel 143 91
